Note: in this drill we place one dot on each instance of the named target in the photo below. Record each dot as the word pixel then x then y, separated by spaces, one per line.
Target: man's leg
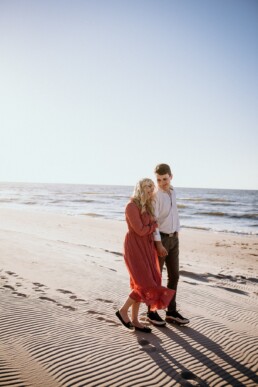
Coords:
pixel 172 263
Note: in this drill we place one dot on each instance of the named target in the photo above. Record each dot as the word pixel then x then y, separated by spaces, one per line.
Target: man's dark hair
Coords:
pixel 163 169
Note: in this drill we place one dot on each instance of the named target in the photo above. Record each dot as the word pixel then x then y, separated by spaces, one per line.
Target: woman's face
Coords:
pixel 148 189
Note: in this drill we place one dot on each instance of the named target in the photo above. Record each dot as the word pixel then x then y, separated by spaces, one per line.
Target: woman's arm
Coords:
pixel 133 216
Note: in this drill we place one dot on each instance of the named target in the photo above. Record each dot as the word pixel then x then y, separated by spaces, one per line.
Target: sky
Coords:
pixel 101 91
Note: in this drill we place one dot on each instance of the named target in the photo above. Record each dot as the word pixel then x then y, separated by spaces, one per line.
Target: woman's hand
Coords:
pixel 162 252
pixel 154 224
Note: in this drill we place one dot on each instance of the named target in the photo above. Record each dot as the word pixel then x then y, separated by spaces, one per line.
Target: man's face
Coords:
pixel 163 181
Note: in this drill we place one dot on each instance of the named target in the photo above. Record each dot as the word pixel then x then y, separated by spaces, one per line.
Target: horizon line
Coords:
pixel 122 185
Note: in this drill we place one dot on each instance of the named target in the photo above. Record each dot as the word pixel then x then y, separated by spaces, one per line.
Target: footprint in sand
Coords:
pixel 47 299
pixel 113 252
pixel 251 279
pixel 68 307
pixel 75 298
pixel 38 284
pixel 94 312
pixel 237 291
pixel 190 283
pixel 9 287
pixel 64 291
pixel 100 318
pixel 11 273
pixel 106 301
pixel 188 375
pixel 20 294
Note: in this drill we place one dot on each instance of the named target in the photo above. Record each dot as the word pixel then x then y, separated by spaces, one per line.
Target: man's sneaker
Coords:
pixel 155 319
pixel 176 318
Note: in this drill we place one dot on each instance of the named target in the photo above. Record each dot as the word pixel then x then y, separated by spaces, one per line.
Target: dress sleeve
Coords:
pixel 135 221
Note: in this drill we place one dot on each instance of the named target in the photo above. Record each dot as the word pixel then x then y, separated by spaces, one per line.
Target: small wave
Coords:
pixel 245 216
pixel 93 193
pixel 232 216
pixel 213 200
pixel 68 201
pixel 84 201
pixel 211 213
pixel 223 230
pixel 94 215
pixel 197 228
pixel 181 206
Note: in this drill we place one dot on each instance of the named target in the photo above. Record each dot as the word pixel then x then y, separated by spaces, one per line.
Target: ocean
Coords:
pixel 220 210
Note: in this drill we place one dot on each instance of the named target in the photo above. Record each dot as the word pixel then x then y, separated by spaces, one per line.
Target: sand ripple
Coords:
pixel 45 345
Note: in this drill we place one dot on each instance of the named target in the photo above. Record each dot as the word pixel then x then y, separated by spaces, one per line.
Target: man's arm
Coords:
pixel 162 252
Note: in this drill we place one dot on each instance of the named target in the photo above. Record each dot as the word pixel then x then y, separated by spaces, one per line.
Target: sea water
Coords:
pixel 221 210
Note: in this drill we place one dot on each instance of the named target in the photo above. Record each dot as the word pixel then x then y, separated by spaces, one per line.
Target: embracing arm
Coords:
pixel 133 216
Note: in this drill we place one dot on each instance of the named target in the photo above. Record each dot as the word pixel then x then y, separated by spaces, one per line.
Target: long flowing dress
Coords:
pixel 142 260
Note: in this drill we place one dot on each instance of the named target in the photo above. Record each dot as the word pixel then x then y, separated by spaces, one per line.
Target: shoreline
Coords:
pixel 41 210
pixel 63 277
pixel 215 210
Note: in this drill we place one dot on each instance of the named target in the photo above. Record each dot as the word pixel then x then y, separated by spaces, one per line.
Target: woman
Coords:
pixel 141 258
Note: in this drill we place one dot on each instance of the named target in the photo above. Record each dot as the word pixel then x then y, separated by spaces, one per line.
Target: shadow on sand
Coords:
pixel 189 340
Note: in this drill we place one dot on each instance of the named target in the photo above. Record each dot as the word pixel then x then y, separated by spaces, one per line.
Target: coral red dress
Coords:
pixel 142 260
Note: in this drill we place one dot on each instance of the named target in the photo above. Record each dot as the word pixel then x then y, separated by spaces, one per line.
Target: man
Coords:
pixel 166 240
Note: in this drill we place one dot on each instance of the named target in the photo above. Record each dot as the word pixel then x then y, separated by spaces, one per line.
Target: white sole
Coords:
pixel 161 324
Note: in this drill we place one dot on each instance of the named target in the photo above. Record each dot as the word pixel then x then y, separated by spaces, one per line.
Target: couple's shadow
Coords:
pixel 199 350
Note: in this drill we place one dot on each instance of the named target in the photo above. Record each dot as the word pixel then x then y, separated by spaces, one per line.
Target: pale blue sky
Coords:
pixel 100 91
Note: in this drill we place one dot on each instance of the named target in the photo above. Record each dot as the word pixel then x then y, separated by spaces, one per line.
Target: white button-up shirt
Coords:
pixel 166 213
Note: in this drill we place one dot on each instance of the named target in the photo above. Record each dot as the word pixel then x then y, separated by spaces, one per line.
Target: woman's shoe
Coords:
pixel 143 329
pixel 128 324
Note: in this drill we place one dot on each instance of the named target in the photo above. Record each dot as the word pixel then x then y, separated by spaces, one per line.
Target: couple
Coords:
pixel 151 241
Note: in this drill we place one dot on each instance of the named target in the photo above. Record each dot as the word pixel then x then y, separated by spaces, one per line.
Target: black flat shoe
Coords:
pixel 143 329
pixel 128 324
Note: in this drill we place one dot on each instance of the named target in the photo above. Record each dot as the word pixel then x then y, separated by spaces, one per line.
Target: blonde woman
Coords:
pixel 141 258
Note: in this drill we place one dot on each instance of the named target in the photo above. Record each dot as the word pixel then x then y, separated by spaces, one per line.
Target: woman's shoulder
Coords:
pixel 131 205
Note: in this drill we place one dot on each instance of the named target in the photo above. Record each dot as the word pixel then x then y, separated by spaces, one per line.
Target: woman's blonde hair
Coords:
pixel 140 198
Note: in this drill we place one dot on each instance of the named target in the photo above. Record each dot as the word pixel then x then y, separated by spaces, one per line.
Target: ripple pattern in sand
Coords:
pixel 45 345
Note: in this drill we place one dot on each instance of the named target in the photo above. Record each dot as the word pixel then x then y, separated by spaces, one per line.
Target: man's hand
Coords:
pixel 162 252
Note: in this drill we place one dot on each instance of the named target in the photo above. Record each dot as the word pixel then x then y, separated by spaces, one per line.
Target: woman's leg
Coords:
pixel 135 312
pixel 124 309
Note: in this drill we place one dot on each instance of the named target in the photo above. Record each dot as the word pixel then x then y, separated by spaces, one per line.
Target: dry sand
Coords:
pixel 63 277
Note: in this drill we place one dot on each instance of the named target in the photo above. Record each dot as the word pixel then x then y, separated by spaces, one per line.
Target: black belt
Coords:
pixel 168 235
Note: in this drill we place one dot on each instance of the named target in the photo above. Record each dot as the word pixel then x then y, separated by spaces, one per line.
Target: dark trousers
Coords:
pixel 172 263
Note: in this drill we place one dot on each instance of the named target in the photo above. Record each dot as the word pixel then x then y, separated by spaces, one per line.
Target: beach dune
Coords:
pixel 63 277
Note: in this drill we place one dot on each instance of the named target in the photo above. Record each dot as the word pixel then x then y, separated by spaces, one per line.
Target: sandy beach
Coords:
pixel 63 277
